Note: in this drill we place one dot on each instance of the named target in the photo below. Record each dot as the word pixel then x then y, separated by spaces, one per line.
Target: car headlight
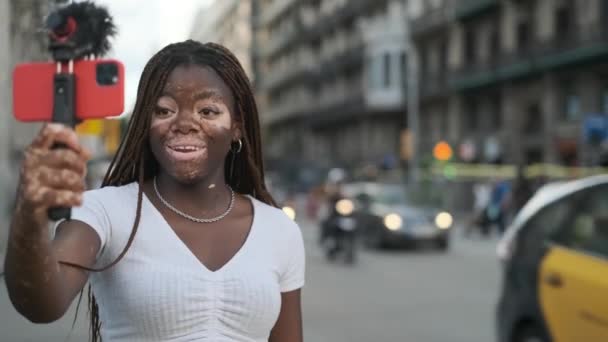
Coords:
pixel 444 220
pixel 290 212
pixel 393 221
pixel 345 207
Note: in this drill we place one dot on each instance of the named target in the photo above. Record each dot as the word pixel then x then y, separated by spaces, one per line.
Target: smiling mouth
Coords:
pixel 186 152
pixel 185 148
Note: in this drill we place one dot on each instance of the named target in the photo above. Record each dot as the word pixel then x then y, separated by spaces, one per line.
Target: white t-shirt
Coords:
pixel 160 291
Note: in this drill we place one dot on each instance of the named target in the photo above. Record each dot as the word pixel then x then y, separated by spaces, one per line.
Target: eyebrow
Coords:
pixel 211 94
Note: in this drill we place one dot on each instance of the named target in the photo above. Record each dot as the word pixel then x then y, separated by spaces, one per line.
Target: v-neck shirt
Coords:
pixel 182 245
pixel 160 291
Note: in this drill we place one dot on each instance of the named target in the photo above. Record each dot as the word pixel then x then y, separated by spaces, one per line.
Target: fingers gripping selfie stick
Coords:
pixel 76 31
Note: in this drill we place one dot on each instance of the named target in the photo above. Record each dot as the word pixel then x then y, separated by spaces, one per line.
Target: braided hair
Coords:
pixel 134 161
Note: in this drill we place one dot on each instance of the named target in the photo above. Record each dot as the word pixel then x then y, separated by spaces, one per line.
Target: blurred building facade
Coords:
pixel 510 80
pixel 227 22
pixel 330 80
pixel 5 119
pixel 20 40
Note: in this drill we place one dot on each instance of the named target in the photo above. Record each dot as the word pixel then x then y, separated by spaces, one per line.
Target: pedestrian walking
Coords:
pixel 481 199
pixel 498 207
pixel 522 192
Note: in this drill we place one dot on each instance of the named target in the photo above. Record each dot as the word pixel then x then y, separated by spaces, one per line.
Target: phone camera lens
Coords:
pixel 107 74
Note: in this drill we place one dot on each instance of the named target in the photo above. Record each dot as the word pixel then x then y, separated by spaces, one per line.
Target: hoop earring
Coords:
pixel 238 149
pixel 234 151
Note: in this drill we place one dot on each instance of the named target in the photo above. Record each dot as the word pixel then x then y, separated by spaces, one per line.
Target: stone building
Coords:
pixel 227 22
pixel 330 80
pixel 512 81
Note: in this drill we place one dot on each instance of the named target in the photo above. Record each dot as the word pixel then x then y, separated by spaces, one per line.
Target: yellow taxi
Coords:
pixel 555 258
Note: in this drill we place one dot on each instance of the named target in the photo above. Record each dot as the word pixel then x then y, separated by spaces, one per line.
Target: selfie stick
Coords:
pixel 64 96
pixel 76 31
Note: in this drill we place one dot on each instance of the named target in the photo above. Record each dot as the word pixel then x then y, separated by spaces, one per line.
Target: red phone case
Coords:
pixel 33 91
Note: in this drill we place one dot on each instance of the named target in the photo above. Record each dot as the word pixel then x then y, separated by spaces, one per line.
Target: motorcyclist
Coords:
pixel 338 228
pixel 333 194
pixel 328 227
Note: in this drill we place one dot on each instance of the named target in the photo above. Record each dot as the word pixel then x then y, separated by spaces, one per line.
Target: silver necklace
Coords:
pixel 192 218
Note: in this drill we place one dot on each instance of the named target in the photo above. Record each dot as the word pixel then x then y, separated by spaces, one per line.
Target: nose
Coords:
pixel 185 122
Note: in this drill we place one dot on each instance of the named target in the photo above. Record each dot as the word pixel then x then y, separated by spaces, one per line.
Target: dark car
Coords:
pixel 555 257
pixel 385 217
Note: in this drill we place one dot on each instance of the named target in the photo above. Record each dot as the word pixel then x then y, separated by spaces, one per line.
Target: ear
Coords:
pixel 236 132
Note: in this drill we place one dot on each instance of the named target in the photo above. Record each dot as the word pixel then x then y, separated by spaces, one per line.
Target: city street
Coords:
pixel 398 120
pixel 415 296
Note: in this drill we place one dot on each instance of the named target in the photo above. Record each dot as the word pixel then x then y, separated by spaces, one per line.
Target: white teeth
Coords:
pixel 186 148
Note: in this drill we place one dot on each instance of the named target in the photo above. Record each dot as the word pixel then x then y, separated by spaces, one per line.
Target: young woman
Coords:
pixel 182 242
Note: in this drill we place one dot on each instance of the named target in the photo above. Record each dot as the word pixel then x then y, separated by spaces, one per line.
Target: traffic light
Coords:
pixel 442 151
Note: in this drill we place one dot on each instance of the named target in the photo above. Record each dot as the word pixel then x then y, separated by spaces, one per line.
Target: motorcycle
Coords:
pixel 339 233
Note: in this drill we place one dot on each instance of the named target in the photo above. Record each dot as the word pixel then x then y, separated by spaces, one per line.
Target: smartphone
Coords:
pixel 99 89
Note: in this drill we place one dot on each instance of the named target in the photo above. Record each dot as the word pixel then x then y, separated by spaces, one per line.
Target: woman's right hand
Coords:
pixel 52 177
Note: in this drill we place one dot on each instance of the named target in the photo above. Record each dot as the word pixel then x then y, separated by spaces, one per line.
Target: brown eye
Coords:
pixel 160 111
pixel 208 111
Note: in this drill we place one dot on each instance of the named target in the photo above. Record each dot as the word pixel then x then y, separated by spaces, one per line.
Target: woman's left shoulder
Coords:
pixel 275 219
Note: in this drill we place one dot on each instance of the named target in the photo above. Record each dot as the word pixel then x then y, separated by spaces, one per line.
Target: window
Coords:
pixel 424 65
pixel 403 63
pixel 387 70
pixel 587 229
pixel 544 225
pixel 563 21
pixel 496 114
pixel 472 112
pixel 573 107
pixel 523 35
pixel 443 57
pixel 425 125
pixel 571 101
pixel 604 100
pixel 534 120
pixel 533 155
pixel 375 72
pixel 469 49
pixel 443 125
pixel 494 44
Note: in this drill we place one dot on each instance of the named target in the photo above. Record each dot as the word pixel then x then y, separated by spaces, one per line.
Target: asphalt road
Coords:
pixel 415 296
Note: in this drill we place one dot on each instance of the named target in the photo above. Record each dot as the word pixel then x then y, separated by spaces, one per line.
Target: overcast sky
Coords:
pixel 144 27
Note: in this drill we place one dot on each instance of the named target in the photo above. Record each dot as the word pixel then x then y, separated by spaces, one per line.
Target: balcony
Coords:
pixel 333 109
pixel 278 44
pixel 483 73
pixel 319 71
pixel 432 21
pixel 466 9
pixel 339 109
pixel 288 111
pixel 304 34
pixel 433 86
pixel 276 10
pixel 341 62
pixel 580 47
pixel 328 23
pixel 286 78
pixel 570 49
